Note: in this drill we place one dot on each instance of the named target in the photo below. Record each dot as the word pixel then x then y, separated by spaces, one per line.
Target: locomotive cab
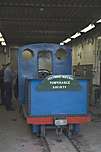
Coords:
pixel 44 64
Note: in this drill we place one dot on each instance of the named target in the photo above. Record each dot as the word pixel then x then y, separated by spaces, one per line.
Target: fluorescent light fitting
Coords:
pixel 76 35
pixel 88 28
pixel 67 40
pixel 2 39
pixel 61 43
pixel 0 34
pixel 99 21
pixel 3 43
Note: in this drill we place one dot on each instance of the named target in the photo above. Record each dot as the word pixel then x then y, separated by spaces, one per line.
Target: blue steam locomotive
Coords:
pixel 48 93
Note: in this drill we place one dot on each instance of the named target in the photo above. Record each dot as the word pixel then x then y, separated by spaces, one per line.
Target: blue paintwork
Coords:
pixel 47 103
pixel 76 128
pixel 29 69
pixel 35 128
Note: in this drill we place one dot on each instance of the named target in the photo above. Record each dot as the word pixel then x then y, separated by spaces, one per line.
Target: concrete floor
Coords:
pixel 92 132
pixel 92 135
pixel 16 136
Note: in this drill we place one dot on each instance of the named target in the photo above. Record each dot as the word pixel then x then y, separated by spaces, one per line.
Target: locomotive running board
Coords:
pixel 50 120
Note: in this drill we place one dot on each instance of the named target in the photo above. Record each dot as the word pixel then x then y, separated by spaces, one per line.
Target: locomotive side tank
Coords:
pixel 48 92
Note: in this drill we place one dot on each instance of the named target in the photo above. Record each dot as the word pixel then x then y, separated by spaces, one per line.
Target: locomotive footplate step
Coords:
pixel 54 145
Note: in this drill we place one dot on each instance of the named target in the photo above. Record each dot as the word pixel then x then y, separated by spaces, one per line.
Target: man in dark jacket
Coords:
pixel 16 88
pixel 8 79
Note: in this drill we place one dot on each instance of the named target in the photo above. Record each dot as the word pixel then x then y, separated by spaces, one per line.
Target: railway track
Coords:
pixel 80 144
pixel 71 144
